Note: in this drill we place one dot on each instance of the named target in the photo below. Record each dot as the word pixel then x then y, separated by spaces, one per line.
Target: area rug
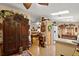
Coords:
pixel 24 53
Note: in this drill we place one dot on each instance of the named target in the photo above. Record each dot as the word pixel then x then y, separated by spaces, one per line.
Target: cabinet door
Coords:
pixel 24 36
pixel 10 43
pixel 1 49
pixel 43 27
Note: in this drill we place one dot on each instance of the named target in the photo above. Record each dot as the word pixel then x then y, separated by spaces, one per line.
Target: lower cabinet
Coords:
pixel 64 49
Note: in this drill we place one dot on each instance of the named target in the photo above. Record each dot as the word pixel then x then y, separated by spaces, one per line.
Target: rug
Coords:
pixel 24 53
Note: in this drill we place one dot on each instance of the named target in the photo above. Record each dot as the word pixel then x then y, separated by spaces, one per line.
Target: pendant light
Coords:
pixel 27 5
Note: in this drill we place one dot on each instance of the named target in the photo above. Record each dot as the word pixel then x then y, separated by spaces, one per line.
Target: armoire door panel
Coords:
pixel 10 42
pixel 16 35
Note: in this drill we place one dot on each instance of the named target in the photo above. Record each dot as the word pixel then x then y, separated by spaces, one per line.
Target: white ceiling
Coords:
pixel 56 7
pixel 37 10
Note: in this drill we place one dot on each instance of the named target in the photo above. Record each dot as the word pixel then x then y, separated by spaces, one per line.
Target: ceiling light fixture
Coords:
pixel 60 12
pixel 68 17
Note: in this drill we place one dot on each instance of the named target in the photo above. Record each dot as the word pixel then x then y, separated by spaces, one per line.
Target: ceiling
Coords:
pixel 38 11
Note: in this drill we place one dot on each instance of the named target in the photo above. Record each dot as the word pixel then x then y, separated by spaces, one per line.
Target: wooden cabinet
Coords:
pixel 10 40
pixel 1 49
pixel 42 40
pixel 24 35
pixel 15 34
pixel 43 26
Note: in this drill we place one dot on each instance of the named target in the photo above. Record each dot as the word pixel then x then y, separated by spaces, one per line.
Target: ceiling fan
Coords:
pixel 28 5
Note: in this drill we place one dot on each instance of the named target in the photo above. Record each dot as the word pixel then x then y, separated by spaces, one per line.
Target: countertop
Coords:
pixel 67 41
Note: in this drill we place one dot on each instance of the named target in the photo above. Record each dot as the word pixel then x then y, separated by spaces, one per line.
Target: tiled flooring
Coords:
pixel 40 51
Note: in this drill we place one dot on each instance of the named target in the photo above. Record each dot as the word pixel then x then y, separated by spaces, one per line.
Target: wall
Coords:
pixel 34 20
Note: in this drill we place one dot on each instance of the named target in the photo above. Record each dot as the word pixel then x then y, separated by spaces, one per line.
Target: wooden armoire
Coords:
pixel 15 34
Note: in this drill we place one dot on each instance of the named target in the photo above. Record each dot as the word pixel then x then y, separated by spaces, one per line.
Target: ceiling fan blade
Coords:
pixel 45 4
pixel 27 5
